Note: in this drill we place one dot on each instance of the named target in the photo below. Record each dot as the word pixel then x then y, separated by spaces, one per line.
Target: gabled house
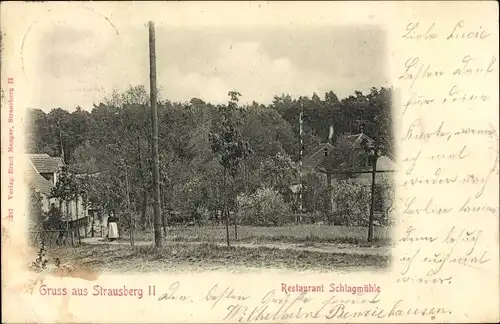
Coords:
pixel 36 182
pixel 325 158
pixel 42 175
pixel 341 164
pixel 355 160
pixel 47 166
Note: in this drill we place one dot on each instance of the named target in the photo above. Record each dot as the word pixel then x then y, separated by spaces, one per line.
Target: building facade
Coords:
pixel 347 159
pixel 41 175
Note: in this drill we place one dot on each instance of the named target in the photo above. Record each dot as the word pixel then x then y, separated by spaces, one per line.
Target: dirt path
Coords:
pixel 312 247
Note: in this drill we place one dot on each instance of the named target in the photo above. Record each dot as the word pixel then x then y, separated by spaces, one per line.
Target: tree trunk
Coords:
pixel 163 213
pixel 235 227
pixel 87 216
pixel 372 205
pixel 129 210
pixel 164 223
pixel 225 208
pixel 144 208
pixel 67 210
pixel 217 218
pixel 78 233
pixel 92 233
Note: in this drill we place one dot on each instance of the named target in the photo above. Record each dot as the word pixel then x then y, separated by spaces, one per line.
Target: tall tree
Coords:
pixel 228 144
pixel 279 172
pixel 67 189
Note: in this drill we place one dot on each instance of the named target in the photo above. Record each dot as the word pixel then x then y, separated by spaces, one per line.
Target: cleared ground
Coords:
pixel 208 257
pixel 284 234
pixel 298 247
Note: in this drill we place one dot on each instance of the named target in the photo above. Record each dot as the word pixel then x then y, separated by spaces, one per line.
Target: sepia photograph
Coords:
pixel 246 162
pixel 211 148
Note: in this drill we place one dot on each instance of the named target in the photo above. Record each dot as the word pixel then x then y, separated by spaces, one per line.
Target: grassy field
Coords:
pixel 286 234
pixel 206 257
pixel 202 248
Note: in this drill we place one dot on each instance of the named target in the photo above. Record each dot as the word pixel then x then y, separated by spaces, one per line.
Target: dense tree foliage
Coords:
pixel 35 212
pixel 113 143
pixel 228 145
pixel 265 207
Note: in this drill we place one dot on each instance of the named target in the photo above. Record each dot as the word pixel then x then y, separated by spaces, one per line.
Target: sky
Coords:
pixel 75 63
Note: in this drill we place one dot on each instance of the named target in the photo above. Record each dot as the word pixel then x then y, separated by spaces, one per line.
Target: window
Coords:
pixel 361 160
pixel 48 176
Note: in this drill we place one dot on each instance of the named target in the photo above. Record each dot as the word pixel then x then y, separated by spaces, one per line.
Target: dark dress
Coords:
pixel 112 219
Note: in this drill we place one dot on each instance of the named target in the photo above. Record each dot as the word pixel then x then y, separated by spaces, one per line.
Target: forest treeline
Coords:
pixel 114 140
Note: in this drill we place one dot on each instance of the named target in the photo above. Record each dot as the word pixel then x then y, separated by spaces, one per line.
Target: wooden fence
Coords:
pixel 69 234
pixel 54 238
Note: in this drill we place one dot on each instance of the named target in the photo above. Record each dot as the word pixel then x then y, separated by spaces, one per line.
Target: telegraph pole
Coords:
pixel 301 135
pixel 154 120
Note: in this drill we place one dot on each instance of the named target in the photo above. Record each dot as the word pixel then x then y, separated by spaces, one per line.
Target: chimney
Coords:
pixel 330 134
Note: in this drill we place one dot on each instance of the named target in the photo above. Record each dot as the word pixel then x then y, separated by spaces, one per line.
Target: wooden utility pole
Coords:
pixel 154 120
pixel 301 152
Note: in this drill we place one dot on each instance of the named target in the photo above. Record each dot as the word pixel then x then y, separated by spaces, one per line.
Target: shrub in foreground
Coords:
pixel 265 207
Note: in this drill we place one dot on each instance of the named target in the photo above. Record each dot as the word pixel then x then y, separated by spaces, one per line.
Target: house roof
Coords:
pixel 322 163
pixel 317 158
pixel 35 181
pixel 384 163
pixel 318 155
pixel 44 163
pixel 357 139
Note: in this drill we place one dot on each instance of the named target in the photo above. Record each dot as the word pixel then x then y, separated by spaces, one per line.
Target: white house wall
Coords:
pixel 74 209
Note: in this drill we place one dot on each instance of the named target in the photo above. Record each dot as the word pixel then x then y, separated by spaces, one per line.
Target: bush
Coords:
pixel 314 194
pixel 40 264
pixel 54 219
pixel 35 212
pixel 352 203
pixel 265 207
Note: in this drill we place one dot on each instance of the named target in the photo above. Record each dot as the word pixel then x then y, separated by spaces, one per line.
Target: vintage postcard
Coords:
pixel 247 162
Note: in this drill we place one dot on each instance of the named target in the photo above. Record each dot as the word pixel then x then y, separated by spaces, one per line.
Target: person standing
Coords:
pixel 112 227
